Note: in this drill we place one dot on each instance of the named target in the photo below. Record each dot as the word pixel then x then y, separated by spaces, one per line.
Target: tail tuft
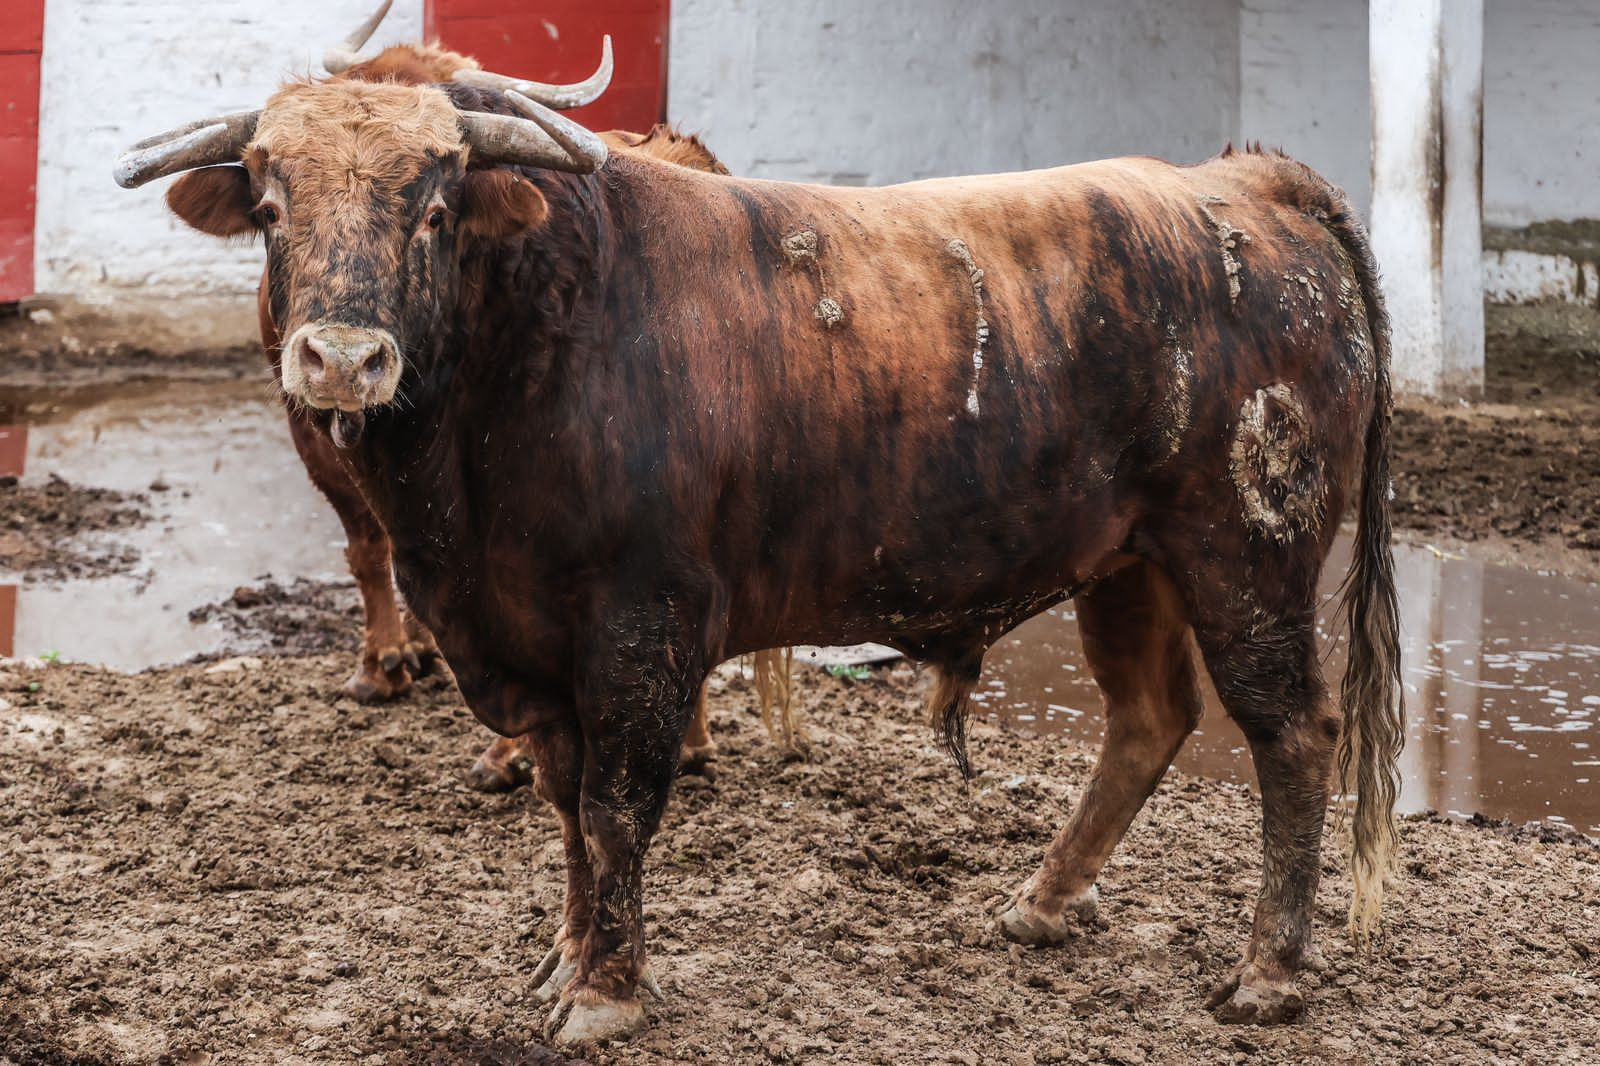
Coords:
pixel 949 702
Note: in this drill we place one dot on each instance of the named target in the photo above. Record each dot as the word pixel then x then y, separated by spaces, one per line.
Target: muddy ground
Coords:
pixel 229 862
pixel 1516 478
pixel 226 863
pixel 303 617
pixel 53 530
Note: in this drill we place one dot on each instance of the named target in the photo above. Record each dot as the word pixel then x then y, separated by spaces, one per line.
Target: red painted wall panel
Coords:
pixel 559 40
pixel 21 37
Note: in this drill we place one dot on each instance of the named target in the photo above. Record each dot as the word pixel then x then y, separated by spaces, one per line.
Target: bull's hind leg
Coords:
pixel 1135 638
pixel 1264 664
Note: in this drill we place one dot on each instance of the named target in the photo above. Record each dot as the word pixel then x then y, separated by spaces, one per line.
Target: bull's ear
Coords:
pixel 499 204
pixel 215 200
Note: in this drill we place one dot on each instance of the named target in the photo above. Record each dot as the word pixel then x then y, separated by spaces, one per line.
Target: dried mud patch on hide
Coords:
pixel 243 866
pixel 304 617
pixel 57 530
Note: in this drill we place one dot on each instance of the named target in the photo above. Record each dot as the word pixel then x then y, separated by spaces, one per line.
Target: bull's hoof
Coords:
pixel 1026 923
pixel 370 684
pixel 586 1017
pixel 423 661
pixel 1247 997
pixel 499 768
pixel 698 759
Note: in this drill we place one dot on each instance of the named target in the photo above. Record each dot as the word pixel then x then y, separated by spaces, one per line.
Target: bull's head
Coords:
pixel 366 195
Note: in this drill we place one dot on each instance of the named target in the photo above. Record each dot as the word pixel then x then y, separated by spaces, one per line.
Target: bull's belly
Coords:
pixel 972 592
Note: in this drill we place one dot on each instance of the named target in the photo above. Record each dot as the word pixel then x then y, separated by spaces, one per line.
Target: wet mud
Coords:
pixel 55 530
pixel 302 617
pixel 228 863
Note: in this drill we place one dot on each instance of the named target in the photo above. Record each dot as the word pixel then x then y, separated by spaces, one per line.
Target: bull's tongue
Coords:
pixel 347 427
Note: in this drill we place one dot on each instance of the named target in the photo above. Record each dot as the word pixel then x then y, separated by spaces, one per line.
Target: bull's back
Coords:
pixel 978 390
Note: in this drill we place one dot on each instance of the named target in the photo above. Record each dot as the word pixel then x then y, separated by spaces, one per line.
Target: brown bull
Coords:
pixel 395 647
pixel 623 420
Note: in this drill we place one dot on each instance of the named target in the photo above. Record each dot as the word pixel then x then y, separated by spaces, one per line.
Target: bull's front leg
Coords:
pixel 635 699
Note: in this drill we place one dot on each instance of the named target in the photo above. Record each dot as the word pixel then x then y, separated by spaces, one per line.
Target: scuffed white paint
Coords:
pixel 116 71
pixel 1540 97
pixel 1513 276
pixel 1304 86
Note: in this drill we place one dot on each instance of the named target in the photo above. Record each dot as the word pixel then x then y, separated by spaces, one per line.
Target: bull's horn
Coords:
pixel 547 141
pixel 205 143
pixel 560 97
pixel 342 56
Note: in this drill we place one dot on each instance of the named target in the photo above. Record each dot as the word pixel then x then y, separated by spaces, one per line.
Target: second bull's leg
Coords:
pixel 389 655
pixel 1135 637
pixel 508 763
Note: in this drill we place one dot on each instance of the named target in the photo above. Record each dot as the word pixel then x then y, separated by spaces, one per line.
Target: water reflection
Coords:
pixel 1502 686
pixel 233 504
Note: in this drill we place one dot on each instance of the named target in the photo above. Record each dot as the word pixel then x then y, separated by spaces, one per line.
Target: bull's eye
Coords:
pixel 436 218
pixel 268 214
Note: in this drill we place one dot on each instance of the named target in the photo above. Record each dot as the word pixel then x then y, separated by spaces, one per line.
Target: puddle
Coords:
pixel 236 506
pixel 1502 666
pixel 1502 677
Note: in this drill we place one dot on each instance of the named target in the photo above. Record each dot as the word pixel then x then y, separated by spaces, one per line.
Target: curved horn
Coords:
pixel 559 97
pixel 587 151
pixel 205 143
pixel 341 57
pixel 563 145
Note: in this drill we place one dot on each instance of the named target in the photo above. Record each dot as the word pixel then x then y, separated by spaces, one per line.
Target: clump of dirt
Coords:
pixel 245 865
pixel 304 617
pixel 56 530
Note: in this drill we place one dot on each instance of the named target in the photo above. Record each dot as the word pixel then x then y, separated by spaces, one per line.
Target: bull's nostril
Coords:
pixel 373 365
pixel 311 361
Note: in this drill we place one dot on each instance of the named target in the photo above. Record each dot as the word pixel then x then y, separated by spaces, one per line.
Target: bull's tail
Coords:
pixel 1371 699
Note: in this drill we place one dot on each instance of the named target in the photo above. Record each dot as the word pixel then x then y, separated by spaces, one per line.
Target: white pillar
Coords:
pixel 1427 187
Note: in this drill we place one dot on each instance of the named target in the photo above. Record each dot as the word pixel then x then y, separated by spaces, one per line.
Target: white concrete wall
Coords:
pixel 1541 110
pixel 831 90
pixel 116 71
pixel 1303 86
pixel 852 92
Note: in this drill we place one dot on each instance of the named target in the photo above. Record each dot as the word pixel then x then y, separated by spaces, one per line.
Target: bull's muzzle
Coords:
pixel 343 367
